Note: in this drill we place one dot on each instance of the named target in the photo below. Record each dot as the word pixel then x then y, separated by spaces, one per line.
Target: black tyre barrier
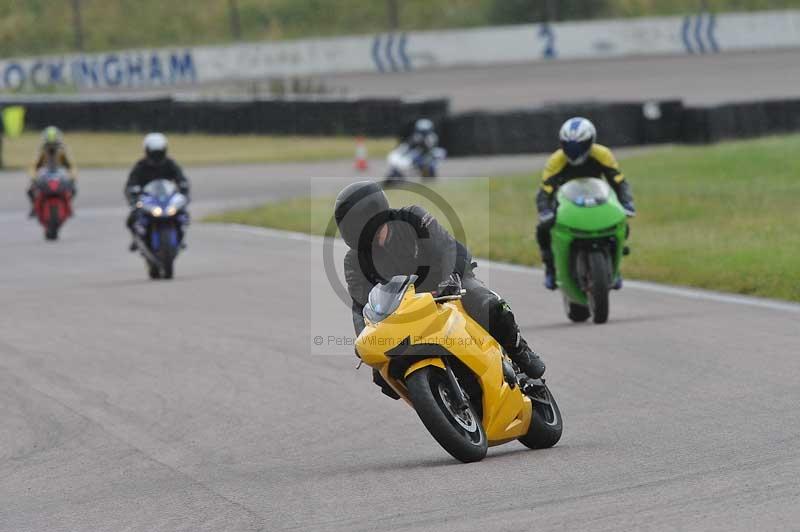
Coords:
pixel 473 133
pixel 375 117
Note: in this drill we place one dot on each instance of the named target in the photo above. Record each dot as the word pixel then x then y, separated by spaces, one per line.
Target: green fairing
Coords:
pixel 585 222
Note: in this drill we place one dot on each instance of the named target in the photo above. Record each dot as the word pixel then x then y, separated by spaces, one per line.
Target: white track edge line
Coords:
pixel 687 293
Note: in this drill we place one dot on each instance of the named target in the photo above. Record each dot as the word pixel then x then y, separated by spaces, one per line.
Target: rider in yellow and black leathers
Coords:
pixel 52 154
pixel 579 156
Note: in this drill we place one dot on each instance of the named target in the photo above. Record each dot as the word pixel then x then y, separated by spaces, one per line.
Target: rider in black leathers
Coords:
pixel 154 165
pixel 385 242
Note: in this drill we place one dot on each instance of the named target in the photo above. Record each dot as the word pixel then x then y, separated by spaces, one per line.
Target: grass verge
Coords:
pixel 122 149
pixel 724 217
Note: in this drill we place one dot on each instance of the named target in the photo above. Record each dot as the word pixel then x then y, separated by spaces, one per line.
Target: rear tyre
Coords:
pixel 546 423
pixel 576 312
pixel 599 285
pixel 51 231
pixel 460 433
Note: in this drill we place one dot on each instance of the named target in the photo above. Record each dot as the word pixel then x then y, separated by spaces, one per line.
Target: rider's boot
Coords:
pixel 617 285
pixel 528 361
pixel 549 269
pixel 549 275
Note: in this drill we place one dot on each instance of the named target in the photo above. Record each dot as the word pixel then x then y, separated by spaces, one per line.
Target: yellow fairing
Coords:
pixel 420 325
pixel 424 364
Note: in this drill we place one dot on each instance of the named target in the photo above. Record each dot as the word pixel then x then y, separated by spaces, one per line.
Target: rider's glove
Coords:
pixel 450 286
pixel 546 215
pixel 630 210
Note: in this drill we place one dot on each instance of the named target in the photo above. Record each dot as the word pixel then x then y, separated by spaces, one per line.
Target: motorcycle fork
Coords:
pixel 461 399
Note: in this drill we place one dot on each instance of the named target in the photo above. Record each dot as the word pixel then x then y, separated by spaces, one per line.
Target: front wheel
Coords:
pixel 458 430
pixel 599 285
pixel 153 271
pixel 546 423
pixel 168 242
pixel 51 231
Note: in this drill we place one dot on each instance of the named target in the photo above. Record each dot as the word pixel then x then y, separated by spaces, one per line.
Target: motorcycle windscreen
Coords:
pixel 48 175
pixel 587 192
pixel 160 189
pixel 385 298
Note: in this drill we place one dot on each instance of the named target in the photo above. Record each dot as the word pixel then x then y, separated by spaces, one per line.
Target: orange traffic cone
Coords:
pixel 361 155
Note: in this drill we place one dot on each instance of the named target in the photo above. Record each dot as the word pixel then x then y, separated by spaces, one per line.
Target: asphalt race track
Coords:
pixel 202 403
pixel 698 79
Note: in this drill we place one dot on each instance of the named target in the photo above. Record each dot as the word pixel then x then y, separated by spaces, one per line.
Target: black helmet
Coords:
pixel 356 205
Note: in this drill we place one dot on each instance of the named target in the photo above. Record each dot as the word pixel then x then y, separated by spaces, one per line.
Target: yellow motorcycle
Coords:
pixel 465 389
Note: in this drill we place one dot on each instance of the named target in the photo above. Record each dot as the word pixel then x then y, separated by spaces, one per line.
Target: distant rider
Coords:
pixel 424 137
pixel 52 155
pixel 385 242
pixel 155 165
pixel 578 157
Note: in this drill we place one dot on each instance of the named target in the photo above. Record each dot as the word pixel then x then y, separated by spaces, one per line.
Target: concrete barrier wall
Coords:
pixel 703 33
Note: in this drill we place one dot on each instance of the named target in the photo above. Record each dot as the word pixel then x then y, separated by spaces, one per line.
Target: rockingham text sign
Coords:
pixel 131 69
pixel 702 33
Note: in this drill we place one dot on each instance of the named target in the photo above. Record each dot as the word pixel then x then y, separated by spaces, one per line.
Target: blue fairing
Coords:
pixel 160 197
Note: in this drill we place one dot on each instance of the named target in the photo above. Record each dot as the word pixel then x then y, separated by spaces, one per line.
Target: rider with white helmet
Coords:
pixel 154 165
pixel 579 156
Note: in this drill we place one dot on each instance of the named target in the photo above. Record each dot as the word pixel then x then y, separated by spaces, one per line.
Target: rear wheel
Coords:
pixel 51 231
pixel 599 285
pixel 546 424
pixel 458 430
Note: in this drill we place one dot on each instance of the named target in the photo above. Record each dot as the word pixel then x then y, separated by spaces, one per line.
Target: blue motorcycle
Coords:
pixel 160 219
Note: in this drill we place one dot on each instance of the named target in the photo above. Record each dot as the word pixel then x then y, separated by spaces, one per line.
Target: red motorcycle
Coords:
pixel 52 201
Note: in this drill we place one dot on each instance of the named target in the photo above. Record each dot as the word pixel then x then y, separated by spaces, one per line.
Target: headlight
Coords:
pixel 156 211
pixel 172 210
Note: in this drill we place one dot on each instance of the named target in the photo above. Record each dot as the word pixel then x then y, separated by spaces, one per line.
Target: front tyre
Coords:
pixel 153 271
pixel 546 423
pixel 51 231
pixel 459 432
pixel 599 285
pixel 166 254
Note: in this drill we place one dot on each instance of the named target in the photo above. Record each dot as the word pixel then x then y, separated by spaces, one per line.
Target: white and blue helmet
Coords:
pixel 577 137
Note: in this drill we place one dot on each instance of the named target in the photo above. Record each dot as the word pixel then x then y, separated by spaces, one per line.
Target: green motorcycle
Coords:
pixel 588 242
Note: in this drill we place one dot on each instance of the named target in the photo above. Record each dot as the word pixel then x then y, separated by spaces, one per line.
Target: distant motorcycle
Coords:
pixel 158 226
pixel 52 203
pixel 588 245
pixel 405 161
